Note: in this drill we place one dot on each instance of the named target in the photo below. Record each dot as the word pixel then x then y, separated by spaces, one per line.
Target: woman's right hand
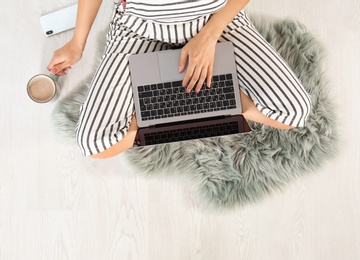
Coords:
pixel 64 58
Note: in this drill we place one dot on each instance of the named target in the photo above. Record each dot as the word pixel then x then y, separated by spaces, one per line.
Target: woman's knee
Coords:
pixel 95 147
pixel 299 111
pixel 124 144
pixel 251 112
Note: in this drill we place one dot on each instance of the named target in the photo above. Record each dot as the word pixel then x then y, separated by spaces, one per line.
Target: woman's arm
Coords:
pixel 201 49
pixel 71 52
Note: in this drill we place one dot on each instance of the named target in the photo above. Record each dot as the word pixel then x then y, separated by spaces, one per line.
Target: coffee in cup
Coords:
pixel 42 88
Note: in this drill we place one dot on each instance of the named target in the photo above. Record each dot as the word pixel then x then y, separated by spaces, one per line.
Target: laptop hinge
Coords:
pixel 190 121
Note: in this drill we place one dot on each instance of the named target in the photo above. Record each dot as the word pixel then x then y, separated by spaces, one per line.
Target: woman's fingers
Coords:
pixel 200 65
pixel 60 69
pixel 56 71
pixel 209 76
pixel 201 80
pixel 64 58
pixel 196 76
pixel 183 58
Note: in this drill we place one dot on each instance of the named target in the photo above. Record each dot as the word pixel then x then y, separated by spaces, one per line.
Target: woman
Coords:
pixel 270 92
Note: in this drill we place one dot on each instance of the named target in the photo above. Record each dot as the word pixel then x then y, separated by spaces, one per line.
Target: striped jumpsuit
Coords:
pixel 147 26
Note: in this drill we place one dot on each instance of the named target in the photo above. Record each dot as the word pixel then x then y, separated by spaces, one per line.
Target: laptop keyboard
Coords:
pixel 191 133
pixel 170 99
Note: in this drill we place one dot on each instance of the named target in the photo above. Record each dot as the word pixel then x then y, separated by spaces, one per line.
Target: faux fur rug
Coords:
pixel 239 169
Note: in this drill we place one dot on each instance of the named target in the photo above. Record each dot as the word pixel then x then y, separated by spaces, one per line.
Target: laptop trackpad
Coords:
pixel 169 62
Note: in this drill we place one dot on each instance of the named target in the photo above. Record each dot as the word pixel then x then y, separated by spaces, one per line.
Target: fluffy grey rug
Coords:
pixel 239 169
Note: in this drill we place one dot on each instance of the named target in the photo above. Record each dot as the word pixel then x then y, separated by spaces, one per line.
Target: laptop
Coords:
pixel 166 113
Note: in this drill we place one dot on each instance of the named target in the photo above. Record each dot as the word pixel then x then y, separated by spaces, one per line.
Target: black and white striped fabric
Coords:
pixel 263 75
pixel 172 12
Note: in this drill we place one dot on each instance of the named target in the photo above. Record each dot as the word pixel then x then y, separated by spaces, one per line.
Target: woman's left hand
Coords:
pixel 200 51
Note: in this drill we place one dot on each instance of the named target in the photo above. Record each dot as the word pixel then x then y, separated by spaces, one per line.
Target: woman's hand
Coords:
pixel 71 52
pixel 199 52
pixel 64 58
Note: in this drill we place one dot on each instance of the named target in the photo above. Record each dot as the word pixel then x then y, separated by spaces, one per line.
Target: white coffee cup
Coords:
pixel 42 88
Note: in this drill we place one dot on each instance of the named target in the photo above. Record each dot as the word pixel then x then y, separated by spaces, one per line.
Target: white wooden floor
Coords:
pixel 54 204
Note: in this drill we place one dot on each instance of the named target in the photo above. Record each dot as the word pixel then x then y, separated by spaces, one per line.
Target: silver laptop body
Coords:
pixel 158 67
